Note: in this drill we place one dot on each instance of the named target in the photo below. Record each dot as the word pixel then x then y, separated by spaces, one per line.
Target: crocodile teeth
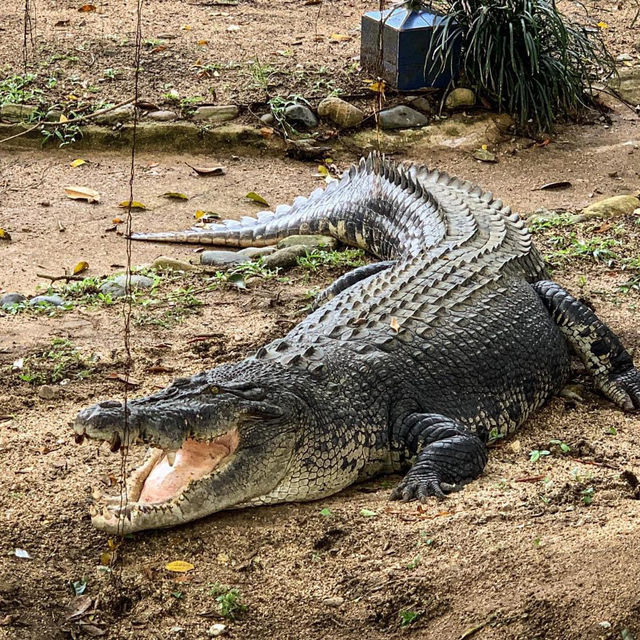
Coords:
pixel 171 457
pixel 115 442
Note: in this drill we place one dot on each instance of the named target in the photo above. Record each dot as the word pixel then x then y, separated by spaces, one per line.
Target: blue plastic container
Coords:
pixel 405 39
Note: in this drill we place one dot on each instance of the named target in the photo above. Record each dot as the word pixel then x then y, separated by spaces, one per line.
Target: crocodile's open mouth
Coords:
pixel 166 475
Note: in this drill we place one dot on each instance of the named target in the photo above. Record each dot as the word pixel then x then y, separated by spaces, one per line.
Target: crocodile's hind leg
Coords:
pixel 595 344
pixel 448 456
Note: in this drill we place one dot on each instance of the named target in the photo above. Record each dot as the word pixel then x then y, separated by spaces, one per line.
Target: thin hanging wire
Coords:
pixel 127 307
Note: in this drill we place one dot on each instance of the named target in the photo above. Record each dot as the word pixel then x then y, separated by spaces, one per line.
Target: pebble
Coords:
pixel 298 114
pixel 309 242
pixel 170 264
pixel 401 117
pixel 54 300
pixel 220 113
pixel 216 630
pixel 11 298
pixel 423 105
pixel 48 392
pixel 335 601
pixel 222 258
pixel 605 624
pixel 162 115
pixel 460 97
pixel 283 258
pixel 53 115
pixel 117 286
pixel 624 57
pixel 268 118
pixel 257 252
pixel 341 112
pixel 121 114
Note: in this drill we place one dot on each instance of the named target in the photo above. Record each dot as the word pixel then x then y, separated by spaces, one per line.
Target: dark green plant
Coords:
pixel 523 56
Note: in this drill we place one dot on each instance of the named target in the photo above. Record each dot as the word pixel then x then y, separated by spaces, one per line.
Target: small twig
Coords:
pixel 56 278
pixel 473 630
pixel 596 464
pixel 66 122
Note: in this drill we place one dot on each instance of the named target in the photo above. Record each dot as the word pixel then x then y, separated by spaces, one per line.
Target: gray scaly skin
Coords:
pixel 408 365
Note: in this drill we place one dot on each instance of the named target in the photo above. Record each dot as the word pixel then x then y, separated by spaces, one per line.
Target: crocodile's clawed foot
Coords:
pixel 422 489
pixel 624 389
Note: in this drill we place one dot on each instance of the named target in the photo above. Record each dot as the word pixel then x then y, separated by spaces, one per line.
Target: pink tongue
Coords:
pixel 193 461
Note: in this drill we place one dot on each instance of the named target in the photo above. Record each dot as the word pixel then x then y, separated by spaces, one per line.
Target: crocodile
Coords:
pixel 411 364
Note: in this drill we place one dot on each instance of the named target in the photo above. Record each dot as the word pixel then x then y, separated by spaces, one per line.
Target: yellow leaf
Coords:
pixel 105 558
pixel 4 234
pixel 80 267
pixel 203 43
pixel 116 220
pixel 485 147
pixel 72 97
pixel 378 87
pixel 603 25
pixel 77 163
pixel 175 195
pixel 134 205
pixel 179 566
pixel 200 214
pixel 112 544
pixel 339 37
pixel 395 325
pixel 323 171
pixel 252 195
pixel 82 193
pixel 63 118
pixel 186 27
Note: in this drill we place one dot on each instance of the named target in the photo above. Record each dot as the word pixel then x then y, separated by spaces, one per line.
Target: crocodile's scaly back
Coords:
pixel 391 211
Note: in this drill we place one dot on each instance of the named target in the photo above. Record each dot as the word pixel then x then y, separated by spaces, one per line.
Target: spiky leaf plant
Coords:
pixel 523 56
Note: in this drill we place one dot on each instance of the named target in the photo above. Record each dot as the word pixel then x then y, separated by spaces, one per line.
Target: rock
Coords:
pixel 309 242
pixel 53 115
pixel 48 392
pixel 460 97
pixel 268 118
pixel 16 112
pixel 220 113
pixel 216 630
pixel 257 252
pixel 609 208
pixel 169 264
pixel 336 601
pixel 341 112
pixel 162 115
pixel 222 258
pixel 423 105
pixel 298 114
pixel 628 84
pixel 11 298
pixel 54 300
pixel 117 287
pixel 605 624
pixel 401 117
pixel 284 258
pixel 624 57
pixel 121 114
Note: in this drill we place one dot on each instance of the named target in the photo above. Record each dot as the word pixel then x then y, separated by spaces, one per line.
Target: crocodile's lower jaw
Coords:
pixel 163 481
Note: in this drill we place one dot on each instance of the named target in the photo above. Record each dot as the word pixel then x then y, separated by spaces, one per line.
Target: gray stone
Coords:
pixel 341 112
pixel 211 113
pixel 624 57
pixel 121 114
pixel 309 242
pixel 401 117
pixel 257 252
pixel 54 300
pixel 267 118
pixel 11 298
pixel 628 84
pixel 298 114
pixel 53 115
pixel 222 258
pixel 117 287
pixel 162 116
pixel 284 258
pixel 459 98
pixel 216 630
pixel 423 105
pixel 16 112
pixel 48 392
pixel 336 601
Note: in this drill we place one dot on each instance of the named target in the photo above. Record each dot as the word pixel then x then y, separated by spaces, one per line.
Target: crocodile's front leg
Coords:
pixel 595 344
pixel 448 456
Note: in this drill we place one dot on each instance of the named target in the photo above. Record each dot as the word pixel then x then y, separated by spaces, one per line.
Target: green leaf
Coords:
pixel 256 197
pixel 79 586
pixel 368 513
pixel 325 512
pixel 408 617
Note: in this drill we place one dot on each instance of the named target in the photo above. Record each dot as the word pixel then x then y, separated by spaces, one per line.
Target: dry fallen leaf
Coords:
pixel 82 193
pixel 339 37
pixel 378 87
pixel 117 220
pixel 122 378
pixel 175 195
pixel 134 205
pixel 63 118
pixel 256 197
pixel 86 8
pixel 179 566
pixel 80 267
pixel 207 171
pixel 5 235
pixel 77 163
